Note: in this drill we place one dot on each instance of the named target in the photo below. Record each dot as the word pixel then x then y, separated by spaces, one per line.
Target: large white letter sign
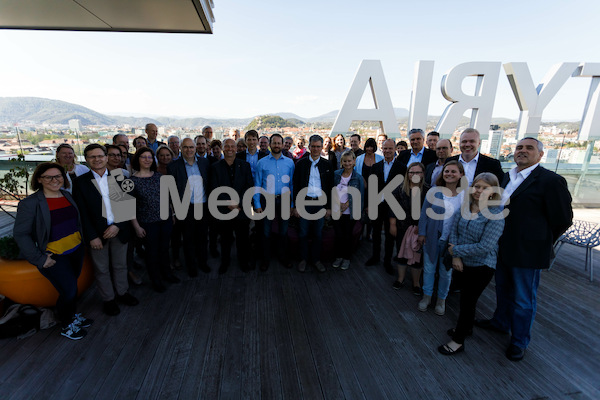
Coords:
pixel 590 123
pixel 482 102
pixel 369 71
pixel 419 96
pixel 532 100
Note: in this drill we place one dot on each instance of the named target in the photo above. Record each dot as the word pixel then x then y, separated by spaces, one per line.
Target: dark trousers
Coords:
pixel 176 239
pixel 63 275
pixel 239 226
pixel 344 229
pixel 283 239
pixel 195 243
pixel 312 229
pixel 382 221
pixel 156 242
pixel 475 280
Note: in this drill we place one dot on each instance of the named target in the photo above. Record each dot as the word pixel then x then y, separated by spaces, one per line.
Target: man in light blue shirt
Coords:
pixel 274 174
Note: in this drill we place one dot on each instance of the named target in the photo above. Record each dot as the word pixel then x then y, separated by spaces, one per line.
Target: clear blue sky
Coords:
pixel 271 56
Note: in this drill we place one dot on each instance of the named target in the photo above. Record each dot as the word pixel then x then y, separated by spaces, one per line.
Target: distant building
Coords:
pixel 75 125
pixel 493 145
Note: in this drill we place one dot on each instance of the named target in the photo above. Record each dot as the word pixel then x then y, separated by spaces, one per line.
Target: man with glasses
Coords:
pixel 443 150
pixel 173 143
pixel 417 152
pixel 106 237
pixel 115 159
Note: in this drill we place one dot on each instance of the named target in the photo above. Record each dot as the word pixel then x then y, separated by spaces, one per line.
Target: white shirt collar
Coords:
pixel 524 173
pixel 97 176
pixel 476 159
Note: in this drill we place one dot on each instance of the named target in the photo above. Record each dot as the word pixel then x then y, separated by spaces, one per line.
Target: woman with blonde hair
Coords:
pixel 473 245
pixel 339 147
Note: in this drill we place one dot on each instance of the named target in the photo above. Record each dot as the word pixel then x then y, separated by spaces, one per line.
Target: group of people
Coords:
pixel 447 218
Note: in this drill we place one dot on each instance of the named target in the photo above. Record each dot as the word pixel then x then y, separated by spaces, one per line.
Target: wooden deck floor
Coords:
pixel 286 335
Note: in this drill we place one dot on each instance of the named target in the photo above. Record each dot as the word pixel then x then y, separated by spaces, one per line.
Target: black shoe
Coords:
pixel 417 291
pixel 192 273
pixel 111 308
pixel 515 353
pixel 286 264
pixel 372 261
pixel 172 278
pixel 264 266
pixel 214 253
pixel 451 331
pixel 447 351
pixel 128 299
pixel 223 268
pixel 205 268
pixel 488 324
pixel 159 288
pixel 398 285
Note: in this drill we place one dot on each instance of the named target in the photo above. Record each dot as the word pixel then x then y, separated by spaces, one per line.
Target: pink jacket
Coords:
pixel 410 246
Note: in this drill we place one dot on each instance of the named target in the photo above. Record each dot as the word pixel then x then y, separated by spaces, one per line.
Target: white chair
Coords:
pixel 581 234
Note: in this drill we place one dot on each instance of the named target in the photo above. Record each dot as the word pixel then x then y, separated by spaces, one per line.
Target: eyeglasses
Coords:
pixel 415 172
pixel 50 178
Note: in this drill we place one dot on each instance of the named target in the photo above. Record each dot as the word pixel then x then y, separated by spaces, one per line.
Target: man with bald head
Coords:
pixel 152 133
pixel 233 173
pixel 472 161
pixel 193 171
pixel 385 170
pixel 443 150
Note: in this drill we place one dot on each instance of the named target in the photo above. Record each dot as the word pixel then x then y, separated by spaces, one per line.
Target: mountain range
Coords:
pixel 23 110
pixel 48 111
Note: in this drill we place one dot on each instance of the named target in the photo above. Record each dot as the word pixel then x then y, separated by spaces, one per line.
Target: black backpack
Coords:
pixel 19 320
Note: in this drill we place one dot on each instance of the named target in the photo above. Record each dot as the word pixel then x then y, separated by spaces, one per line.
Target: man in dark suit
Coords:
pixel 193 171
pixel 233 173
pixel 202 150
pixel 443 150
pixel 315 175
pixel 103 230
pixel 252 153
pixel 474 162
pixel 385 171
pixel 417 152
pixel 539 211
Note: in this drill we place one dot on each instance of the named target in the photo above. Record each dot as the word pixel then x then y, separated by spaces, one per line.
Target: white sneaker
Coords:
pixel 82 321
pixel 337 263
pixel 73 332
pixel 440 307
pixel 346 264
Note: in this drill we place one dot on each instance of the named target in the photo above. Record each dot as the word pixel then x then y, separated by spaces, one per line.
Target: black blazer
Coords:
pixel 242 182
pixel 486 164
pixel 33 224
pixel 377 170
pixel 177 170
pixel 89 201
pixel 429 157
pixel 331 157
pixel 539 212
pixel 429 173
pixel 302 176
pixel 242 155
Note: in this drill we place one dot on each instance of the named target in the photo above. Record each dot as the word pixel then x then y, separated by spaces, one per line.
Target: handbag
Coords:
pixel 447 259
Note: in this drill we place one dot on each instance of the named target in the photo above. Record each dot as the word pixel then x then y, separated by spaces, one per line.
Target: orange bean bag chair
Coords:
pixel 22 283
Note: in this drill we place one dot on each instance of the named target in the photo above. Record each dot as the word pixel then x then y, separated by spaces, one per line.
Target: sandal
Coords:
pixel 447 350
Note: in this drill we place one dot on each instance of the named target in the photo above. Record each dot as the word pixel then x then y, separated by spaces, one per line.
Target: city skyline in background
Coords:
pixel 269 58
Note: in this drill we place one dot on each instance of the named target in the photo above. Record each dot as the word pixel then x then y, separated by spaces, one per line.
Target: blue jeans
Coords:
pixel 516 301
pixel 433 264
pixel 315 229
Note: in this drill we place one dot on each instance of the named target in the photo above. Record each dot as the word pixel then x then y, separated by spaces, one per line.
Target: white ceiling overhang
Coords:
pixel 177 16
